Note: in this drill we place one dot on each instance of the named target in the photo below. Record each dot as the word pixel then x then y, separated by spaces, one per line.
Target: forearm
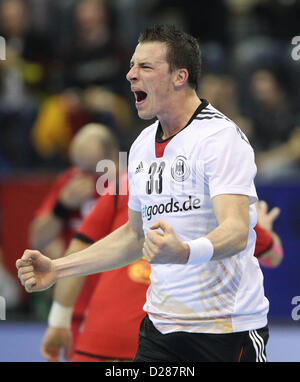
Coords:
pixel 118 249
pixel 229 238
pixel 43 230
pixel 67 290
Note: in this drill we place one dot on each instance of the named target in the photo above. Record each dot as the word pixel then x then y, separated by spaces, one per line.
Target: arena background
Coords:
pixel 50 87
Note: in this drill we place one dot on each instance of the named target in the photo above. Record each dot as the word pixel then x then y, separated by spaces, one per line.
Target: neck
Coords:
pixel 181 112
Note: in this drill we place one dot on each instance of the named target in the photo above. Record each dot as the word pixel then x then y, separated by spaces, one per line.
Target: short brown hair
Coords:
pixel 183 49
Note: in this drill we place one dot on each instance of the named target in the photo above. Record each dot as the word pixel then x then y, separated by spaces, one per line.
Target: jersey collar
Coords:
pixel 159 131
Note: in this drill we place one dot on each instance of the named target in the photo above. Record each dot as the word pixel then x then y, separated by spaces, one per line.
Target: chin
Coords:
pixel 145 116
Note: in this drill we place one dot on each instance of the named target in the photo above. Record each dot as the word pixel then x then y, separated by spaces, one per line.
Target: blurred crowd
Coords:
pixel 66 62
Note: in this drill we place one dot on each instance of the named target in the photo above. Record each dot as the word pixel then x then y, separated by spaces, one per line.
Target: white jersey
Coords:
pixel 209 157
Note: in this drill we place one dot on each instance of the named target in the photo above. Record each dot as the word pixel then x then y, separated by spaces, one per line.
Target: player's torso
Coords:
pixel 173 187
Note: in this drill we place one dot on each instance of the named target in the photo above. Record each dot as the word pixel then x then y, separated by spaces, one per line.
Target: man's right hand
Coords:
pixel 36 271
pixel 54 340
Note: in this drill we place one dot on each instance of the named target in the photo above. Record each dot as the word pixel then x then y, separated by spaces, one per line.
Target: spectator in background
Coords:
pixel 59 118
pixel 93 57
pixel 71 198
pixel 112 107
pixel 62 115
pixel 270 109
pixel 260 34
pixel 23 79
pixel 276 139
pixel 261 31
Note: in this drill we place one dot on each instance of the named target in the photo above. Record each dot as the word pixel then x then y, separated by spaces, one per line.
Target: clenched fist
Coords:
pixel 36 271
pixel 166 247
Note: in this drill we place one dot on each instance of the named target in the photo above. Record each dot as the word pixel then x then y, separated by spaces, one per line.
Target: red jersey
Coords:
pixel 70 226
pixel 115 311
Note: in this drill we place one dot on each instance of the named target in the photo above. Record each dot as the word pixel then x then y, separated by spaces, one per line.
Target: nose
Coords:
pixel 132 74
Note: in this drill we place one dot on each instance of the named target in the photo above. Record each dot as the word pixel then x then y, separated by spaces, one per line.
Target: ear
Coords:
pixel 180 77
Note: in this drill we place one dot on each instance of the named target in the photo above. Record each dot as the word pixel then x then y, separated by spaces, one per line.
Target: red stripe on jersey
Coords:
pixel 160 148
pixel 240 356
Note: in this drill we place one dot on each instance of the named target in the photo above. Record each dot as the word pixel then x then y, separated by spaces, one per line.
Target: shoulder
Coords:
pixel 211 124
pixel 212 120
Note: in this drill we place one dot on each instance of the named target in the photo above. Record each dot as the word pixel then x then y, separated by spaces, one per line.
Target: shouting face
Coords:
pixel 151 80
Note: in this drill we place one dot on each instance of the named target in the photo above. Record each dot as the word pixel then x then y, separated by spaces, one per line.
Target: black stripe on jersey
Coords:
pixel 212 114
pixel 210 117
pixel 83 238
pixel 221 116
pixel 208 111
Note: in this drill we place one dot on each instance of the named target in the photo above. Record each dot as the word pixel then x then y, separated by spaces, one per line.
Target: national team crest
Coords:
pixel 180 169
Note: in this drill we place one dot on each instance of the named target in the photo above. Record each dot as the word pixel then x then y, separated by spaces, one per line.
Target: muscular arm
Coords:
pixel 231 234
pixel 120 248
pixel 67 290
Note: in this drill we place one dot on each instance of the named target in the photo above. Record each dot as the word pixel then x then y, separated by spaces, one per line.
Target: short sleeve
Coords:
pixel 229 164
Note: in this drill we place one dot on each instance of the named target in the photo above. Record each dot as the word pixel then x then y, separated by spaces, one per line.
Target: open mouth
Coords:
pixel 140 96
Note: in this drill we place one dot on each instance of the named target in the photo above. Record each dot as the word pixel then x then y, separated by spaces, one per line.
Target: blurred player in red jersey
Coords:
pixel 70 199
pixel 111 324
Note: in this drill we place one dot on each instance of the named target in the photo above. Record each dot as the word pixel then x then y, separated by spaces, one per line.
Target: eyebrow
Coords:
pixel 140 63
